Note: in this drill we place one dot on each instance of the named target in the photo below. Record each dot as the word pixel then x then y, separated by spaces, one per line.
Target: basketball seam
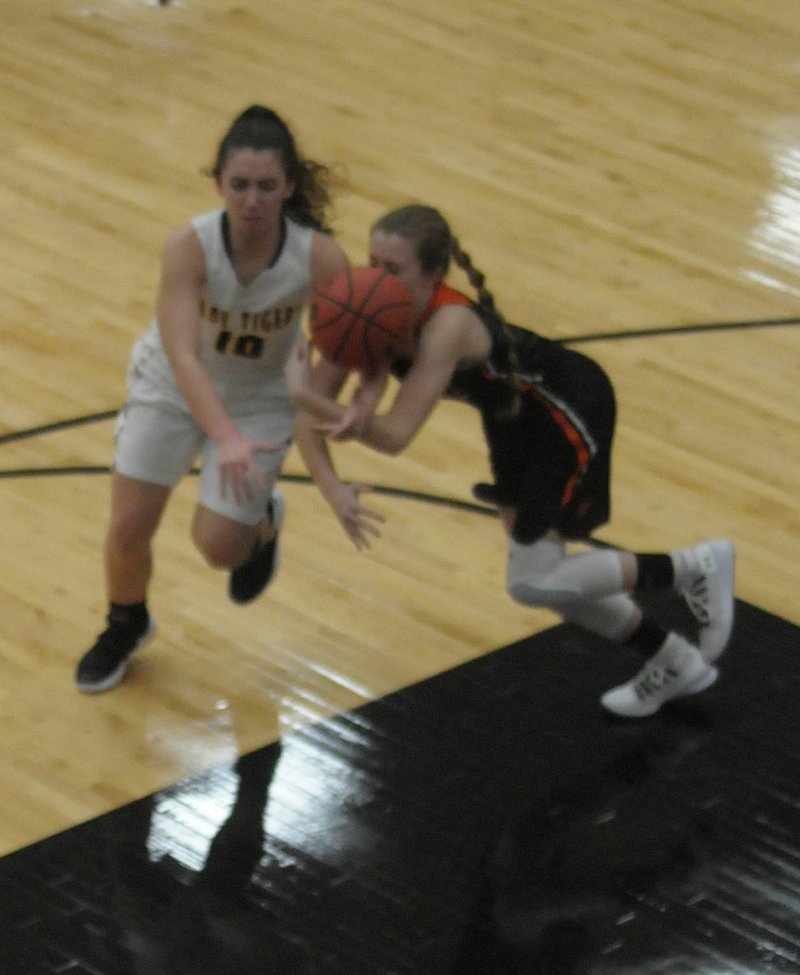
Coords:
pixel 368 322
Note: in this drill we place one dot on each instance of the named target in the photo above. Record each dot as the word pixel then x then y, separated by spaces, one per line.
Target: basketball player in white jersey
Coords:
pixel 206 381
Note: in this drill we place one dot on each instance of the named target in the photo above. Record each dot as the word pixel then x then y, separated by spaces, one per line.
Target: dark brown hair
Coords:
pixel 261 128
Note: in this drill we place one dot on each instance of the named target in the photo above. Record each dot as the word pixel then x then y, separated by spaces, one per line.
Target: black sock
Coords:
pixel 129 614
pixel 648 637
pixel 655 572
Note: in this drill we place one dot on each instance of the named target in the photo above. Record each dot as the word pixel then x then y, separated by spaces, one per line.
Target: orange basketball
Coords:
pixel 362 317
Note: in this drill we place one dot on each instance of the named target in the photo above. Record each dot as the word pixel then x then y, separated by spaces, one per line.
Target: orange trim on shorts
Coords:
pixel 582 452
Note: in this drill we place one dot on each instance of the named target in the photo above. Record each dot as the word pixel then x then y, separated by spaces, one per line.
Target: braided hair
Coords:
pixel 260 128
pixel 435 246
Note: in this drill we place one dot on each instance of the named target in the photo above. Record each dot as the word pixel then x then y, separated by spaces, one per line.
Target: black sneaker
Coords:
pixel 252 578
pixel 497 495
pixel 104 666
pixel 486 493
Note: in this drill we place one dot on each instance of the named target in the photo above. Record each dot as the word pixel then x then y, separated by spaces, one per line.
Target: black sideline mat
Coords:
pixel 489 821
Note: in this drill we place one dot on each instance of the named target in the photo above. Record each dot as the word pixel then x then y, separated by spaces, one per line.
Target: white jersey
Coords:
pixel 247 331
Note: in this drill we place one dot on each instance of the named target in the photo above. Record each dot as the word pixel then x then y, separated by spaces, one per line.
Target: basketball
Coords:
pixel 361 318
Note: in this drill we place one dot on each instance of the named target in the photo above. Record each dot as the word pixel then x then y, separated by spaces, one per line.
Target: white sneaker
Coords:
pixel 710 597
pixel 677 670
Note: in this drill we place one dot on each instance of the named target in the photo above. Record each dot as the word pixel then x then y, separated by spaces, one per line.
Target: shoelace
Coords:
pixel 696 596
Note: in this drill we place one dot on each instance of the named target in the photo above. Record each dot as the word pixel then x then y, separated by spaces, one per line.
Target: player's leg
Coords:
pixel 704 575
pixel 242 537
pixel 155 447
pixel 592 590
pixel 136 511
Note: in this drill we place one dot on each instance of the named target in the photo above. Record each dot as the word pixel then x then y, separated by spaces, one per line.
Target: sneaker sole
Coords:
pixel 116 676
pixel 701 683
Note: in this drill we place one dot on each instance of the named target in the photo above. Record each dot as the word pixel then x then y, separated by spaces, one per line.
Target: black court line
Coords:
pixel 24 472
pixel 574 340
pixel 682 330
pixel 57 425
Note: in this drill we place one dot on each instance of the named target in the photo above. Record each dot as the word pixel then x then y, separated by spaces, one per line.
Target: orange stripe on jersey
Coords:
pixel 583 452
pixel 443 295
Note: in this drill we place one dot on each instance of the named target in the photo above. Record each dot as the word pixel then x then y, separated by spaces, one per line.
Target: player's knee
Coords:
pixel 610 617
pixel 535 576
pixel 223 544
pixel 539 593
pixel 218 551
pixel 214 554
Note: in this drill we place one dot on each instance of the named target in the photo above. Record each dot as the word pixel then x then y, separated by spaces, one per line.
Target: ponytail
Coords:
pixel 261 128
pixel 510 407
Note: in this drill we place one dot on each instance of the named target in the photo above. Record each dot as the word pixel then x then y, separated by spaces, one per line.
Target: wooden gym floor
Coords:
pixel 385 765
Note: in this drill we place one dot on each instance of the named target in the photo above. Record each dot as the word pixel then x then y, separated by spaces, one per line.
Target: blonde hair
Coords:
pixel 435 246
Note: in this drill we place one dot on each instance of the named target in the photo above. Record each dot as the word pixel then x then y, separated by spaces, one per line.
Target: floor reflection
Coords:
pixel 558 890
pixel 492 820
pixel 166 916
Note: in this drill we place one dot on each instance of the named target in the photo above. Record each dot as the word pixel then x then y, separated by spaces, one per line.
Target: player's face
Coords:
pixel 396 255
pixel 254 187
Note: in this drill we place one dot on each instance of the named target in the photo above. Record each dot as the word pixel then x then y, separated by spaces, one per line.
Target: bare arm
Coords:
pixel 442 347
pixel 440 350
pixel 360 410
pixel 327 257
pixel 308 397
pixel 323 383
pixel 315 390
pixel 178 313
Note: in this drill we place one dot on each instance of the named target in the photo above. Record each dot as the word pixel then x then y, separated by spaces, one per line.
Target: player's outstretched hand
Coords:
pixel 359 522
